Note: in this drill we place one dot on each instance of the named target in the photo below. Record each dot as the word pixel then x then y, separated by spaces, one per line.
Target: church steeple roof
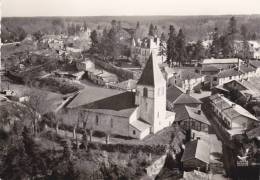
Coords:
pixel 151 75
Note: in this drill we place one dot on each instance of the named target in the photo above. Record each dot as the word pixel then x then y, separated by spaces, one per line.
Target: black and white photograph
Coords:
pixel 130 90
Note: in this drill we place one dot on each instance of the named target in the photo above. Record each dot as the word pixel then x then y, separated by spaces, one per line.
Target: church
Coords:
pixel 130 114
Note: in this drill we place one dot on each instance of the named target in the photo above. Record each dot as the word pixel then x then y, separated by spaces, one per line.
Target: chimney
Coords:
pixel 199 112
pixel 233 105
pixel 188 91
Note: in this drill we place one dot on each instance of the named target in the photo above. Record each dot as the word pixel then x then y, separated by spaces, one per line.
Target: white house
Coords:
pixel 125 113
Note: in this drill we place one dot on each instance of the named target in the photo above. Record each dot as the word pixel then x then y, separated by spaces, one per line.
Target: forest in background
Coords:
pixel 194 27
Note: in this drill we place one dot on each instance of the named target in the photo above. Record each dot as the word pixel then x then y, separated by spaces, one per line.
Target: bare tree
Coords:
pixel 34 107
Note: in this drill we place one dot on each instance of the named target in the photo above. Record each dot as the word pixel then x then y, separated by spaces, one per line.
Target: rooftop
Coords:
pixel 197 149
pixel 221 61
pixel 90 95
pixel 229 108
pixel 229 72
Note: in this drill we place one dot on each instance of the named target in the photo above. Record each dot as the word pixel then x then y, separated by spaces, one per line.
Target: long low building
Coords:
pixel 233 115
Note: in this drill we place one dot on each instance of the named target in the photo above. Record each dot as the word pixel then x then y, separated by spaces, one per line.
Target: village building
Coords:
pixel 187 79
pixel 235 118
pixel 192 118
pixel 141 50
pixel 127 114
pixel 226 75
pixel 196 156
pixel 128 85
pixel 221 63
pixel 101 77
pixel 178 98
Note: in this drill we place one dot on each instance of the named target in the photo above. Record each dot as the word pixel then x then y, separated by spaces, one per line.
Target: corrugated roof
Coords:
pixel 151 75
pixel 197 149
pixel 255 63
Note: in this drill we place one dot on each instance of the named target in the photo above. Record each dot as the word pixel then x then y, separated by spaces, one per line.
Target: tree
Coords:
pixel 199 52
pixel 232 30
pixel 34 108
pixel 38 36
pixel 94 42
pixel 181 47
pixel 215 46
pixel 246 50
pixel 137 25
pixel 162 48
pixel 226 46
pixel 151 30
pixel 171 46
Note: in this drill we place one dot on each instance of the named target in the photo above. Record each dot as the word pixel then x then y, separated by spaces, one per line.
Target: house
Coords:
pixel 232 115
pixel 196 156
pixel 226 75
pixel 177 98
pixel 187 79
pixel 101 77
pixel 128 85
pixel 85 65
pixel 141 50
pixel 131 114
pixel 192 118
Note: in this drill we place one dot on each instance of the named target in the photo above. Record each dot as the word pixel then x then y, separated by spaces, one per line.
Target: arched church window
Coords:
pixel 145 92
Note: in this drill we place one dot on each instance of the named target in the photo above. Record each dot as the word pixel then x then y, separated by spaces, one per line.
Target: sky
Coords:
pixel 21 8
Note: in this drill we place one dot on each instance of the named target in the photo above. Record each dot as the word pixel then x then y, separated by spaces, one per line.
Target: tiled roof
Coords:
pixel 197 149
pixel 186 99
pixel 193 113
pixel 229 108
pixel 246 69
pixel 117 102
pixel 173 93
pixel 90 95
pixel 118 105
pixel 151 75
pixel 229 72
pixel 209 69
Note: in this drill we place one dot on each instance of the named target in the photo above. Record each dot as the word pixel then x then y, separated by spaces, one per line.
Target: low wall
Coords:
pixel 123 74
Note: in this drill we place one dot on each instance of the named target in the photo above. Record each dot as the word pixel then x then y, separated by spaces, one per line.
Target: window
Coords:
pixel 158 115
pixel 97 120
pixel 133 132
pixel 230 77
pixel 145 92
pixel 158 92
